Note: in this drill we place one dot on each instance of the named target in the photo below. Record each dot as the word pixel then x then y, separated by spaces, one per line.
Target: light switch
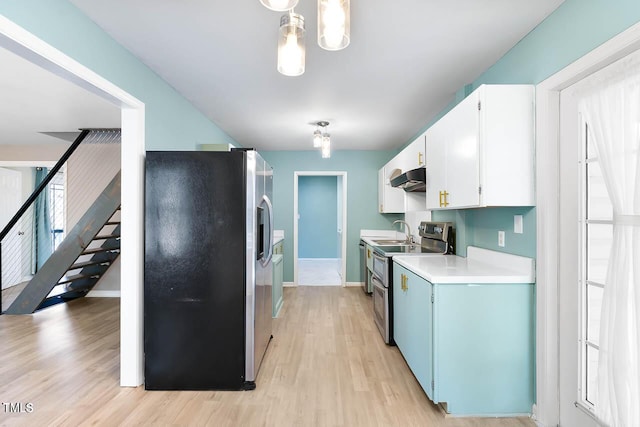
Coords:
pixel 517 224
pixel 501 239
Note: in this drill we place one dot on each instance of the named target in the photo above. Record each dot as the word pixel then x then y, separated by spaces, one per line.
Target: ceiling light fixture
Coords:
pixel 326 146
pixel 291 50
pixel 279 5
pixel 334 24
pixel 317 139
pixel 317 135
pixel 322 139
pixel 334 31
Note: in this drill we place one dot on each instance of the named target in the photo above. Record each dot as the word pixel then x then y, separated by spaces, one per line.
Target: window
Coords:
pixel 596 236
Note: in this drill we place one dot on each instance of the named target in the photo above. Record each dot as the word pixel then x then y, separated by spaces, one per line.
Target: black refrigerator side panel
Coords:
pixel 194 286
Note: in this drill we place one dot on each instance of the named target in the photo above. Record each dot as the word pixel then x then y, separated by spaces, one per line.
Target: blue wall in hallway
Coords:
pixel 318 223
pixel 362 196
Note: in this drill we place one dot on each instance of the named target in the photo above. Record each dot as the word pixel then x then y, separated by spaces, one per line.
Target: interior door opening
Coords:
pixel 320 228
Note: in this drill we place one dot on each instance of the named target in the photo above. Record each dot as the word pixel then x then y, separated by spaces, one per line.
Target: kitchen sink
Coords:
pixel 391 242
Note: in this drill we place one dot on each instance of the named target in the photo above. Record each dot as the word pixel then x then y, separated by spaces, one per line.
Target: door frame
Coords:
pixel 343 260
pixel 546 410
pixel 21 42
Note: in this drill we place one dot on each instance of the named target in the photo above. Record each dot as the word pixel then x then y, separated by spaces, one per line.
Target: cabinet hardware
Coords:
pixel 443 199
pixel 420 162
pixel 381 208
pixel 368 253
pixel 479 105
pixel 431 297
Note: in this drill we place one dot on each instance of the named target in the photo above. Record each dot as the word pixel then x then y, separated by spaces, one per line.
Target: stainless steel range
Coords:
pixel 436 238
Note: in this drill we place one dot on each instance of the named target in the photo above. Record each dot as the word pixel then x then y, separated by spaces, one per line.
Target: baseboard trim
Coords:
pixel 354 284
pixel 289 285
pixel 103 294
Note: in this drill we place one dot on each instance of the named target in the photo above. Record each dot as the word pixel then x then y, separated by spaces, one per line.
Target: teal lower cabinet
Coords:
pixel 476 342
pixel 413 324
pixel 276 290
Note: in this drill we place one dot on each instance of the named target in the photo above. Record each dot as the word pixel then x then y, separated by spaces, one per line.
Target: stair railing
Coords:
pixel 18 243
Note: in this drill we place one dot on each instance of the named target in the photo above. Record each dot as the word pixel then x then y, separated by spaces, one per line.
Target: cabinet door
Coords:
pixel 390 199
pixel 413 324
pixel 401 303
pixel 463 159
pixel 415 153
pixel 436 172
pixel 369 254
pixel 420 313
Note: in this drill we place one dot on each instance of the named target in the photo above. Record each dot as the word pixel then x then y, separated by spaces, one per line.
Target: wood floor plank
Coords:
pixel 326 366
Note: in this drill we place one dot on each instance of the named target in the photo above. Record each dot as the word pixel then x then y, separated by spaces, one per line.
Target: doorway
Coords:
pixel 320 228
pixel 19 41
pixel 22 252
pixel 560 368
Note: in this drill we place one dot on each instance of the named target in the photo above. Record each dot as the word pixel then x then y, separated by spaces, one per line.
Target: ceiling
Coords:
pixel 35 101
pixel 405 63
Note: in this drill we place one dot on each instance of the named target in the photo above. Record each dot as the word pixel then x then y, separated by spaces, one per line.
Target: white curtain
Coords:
pixel 610 105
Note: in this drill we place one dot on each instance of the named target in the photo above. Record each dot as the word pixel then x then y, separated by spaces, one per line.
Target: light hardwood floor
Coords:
pixel 326 366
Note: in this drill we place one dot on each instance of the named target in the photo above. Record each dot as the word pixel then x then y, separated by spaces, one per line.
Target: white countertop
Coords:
pixel 480 266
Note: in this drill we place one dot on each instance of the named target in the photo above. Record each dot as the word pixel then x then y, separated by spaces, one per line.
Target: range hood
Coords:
pixel 412 181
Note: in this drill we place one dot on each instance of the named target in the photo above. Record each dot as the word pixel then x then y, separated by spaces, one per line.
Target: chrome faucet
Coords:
pixel 407 229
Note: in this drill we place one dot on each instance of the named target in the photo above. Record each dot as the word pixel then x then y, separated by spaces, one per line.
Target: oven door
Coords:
pixel 381 268
pixel 381 307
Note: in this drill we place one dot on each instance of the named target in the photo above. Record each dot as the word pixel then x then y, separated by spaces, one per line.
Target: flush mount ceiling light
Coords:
pixel 279 5
pixel 334 24
pixel 291 50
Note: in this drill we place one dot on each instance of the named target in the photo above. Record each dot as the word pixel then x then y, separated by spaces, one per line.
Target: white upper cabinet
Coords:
pixel 390 199
pixel 413 156
pixel 481 152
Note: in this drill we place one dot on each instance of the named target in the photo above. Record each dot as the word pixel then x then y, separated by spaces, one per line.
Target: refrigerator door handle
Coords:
pixel 269 241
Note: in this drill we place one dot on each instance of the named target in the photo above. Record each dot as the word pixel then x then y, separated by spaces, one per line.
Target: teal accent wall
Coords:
pixel 573 30
pixel 172 123
pixel 362 196
pixel 318 209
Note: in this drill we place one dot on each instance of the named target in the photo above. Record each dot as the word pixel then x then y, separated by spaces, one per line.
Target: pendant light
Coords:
pixel 326 146
pixel 291 50
pixel 279 5
pixel 334 24
pixel 317 139
pixel 317 135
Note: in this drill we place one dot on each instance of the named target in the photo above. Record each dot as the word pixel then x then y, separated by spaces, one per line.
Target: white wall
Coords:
pixel 89 170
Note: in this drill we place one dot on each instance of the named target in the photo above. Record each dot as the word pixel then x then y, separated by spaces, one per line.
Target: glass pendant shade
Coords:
pixel 317 139
pixel 334 24
pixel 279 5
pixel 291 50
pixel 326 146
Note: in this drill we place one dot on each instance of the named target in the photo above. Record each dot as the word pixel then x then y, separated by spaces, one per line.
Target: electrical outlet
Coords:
pixel 517 224
pixel 501 239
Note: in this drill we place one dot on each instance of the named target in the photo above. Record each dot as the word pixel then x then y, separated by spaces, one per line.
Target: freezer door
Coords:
pixel 259 270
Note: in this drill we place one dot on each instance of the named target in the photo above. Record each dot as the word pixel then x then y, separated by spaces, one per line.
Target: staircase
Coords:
pixel 82 258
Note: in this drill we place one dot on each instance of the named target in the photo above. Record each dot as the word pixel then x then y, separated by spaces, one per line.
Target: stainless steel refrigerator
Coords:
pixel 208 274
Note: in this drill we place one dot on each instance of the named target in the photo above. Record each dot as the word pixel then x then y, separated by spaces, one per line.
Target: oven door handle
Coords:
pixel 377 282
pixel 380 257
